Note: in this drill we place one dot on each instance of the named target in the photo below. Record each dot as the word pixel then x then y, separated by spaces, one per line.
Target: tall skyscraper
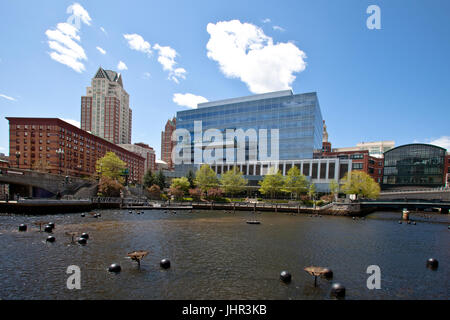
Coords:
pixel 105 110
pixel 166 142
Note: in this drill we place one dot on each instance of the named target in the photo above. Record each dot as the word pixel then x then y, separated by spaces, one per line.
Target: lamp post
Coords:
pixel 17 157
pixel 60 152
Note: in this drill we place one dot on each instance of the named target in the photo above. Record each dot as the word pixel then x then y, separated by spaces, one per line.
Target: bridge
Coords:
pixel 421 205
pixel 30 183
pixel 441 194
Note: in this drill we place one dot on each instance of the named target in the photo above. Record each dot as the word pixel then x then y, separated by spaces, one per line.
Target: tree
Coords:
pixel 196 194
pixel 109 187
pixel 233 181
pixel 191 178
pixel 215 193
pixel 334 188
pixel 312 193
pixel 360 184
pixel 206 178
pixel 160 180
pixel 272 183
pixel 149 179
pixel 295 182
pixel 154 191
pixel 176 192
pixel 111 166
pixel 182 183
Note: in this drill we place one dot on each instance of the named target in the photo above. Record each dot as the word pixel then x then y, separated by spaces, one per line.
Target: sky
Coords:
pixel 390 83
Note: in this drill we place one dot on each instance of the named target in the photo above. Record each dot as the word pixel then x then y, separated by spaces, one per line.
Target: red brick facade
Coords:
pixel 361 160
pixel 34 144
pixel 167 144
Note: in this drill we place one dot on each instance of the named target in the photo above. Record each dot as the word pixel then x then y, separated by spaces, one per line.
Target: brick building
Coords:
pixel 167 144
pixel 145 151
pixel 361 159
pixel 55 146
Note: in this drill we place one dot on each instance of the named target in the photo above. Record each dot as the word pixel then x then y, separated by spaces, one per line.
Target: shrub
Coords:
pixel 109 187
pixel 196 194
pixel 155 192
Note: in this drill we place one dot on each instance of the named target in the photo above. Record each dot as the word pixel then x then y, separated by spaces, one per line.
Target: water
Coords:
pixel 216 255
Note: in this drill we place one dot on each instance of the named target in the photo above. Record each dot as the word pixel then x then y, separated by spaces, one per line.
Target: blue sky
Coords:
pixel 387 84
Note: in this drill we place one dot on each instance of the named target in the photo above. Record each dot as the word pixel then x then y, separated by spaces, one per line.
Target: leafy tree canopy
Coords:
pixel 361 184
pixel 206 178
pixel 233 181
pixel 111 166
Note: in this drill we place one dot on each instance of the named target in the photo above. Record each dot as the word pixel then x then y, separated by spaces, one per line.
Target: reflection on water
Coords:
pixel 216 255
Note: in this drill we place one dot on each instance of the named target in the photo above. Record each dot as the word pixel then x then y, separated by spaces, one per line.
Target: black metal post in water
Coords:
pixel 315 281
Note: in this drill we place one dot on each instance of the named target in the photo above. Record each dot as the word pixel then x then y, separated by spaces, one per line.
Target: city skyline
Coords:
pixel 374 85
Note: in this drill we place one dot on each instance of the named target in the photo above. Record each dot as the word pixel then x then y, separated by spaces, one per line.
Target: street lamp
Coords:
pixel 60 152
pixel 17 157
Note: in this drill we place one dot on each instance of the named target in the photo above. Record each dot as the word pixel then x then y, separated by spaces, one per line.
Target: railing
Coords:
pixel 416 190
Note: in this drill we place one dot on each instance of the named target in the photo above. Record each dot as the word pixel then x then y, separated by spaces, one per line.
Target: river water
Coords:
pixel 216 255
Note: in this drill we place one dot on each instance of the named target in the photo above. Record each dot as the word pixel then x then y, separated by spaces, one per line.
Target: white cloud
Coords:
pixel 136 42
pixel 146 75
pixel 78 12
pixel 243 51
pixel 7 97
pixel 64 40
pixel 103 30
pixel 101 50
pixel 188 100
pixel 72 122
pixel 267 20
pixel 278 28
pixel 166 57
pixel 443 142
pixel 122 66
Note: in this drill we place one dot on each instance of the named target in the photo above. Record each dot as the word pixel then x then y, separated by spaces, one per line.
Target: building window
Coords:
pixel 357 166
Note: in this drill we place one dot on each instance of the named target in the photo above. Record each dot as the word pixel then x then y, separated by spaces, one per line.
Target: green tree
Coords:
pixel 295 183
pixel 272 183
pixel 149 179
pixel 334 188
pixel 111 166
pixel 191 178
pixel 206 178
pixel 160 180
pixel 361 184
pixel 233 181
pixel 181 183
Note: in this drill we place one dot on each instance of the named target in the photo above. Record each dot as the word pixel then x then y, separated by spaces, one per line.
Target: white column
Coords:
pixel 318 169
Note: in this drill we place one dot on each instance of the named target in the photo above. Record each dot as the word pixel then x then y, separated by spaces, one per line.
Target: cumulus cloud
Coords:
pixel 166 57
pixel 267 20
pixel 188 100
pixel 243 51
pixel 72 122
pixel 443 142
pixel 101 50
pixel 137 42
pixel 103 30
pixel 7 97
pixel 64 39
pixel 122 66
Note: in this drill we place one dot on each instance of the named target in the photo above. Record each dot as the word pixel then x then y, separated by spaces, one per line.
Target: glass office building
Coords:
pixel 414 165
pixel 297 117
